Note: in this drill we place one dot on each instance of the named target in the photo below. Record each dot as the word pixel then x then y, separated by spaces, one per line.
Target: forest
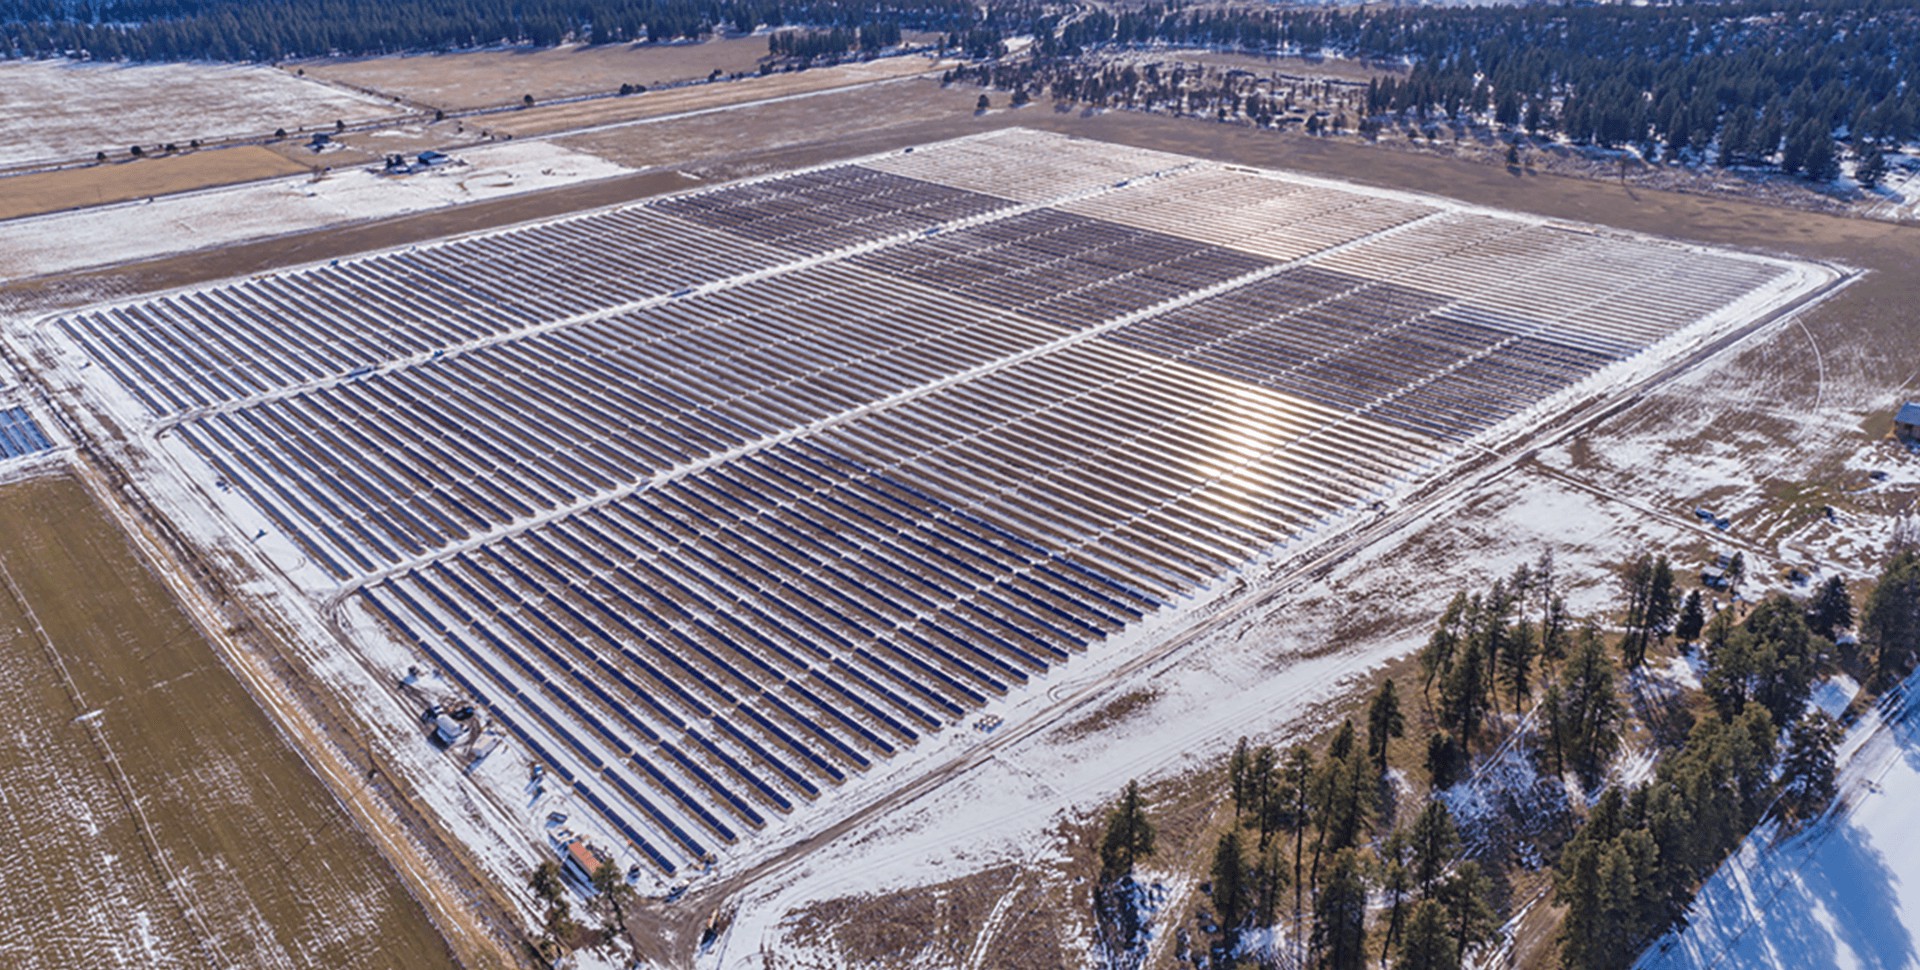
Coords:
pixel 1490 774
pixel 273 30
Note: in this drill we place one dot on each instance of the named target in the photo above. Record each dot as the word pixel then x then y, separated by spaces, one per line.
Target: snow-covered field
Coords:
pixel 201 220
pixel 60 110
pixel 1844 892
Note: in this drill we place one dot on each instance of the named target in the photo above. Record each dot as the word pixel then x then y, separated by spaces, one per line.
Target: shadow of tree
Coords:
pixel 1828 897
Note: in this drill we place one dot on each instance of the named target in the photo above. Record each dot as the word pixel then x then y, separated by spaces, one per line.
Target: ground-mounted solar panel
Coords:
pixel 719 502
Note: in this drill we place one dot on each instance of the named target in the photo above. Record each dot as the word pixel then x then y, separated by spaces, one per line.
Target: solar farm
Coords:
pixel 719 501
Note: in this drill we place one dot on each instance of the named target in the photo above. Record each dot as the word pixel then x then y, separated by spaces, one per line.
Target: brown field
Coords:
pixel 72 188
pixel 156 818
pixel 653 104
pixel 458 82
pixel 60 111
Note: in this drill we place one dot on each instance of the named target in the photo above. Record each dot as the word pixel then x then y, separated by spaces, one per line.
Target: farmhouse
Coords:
pixel 1906 423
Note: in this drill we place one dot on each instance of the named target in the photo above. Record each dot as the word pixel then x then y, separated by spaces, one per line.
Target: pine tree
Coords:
pixel 1395 879
pixel 1295 793
pixel 1636 589
pixel 1432 843
pixel 1870 166
pixel 1890 624
pixel 1785 657
pixel 1384 722
pixel 1470 916
pixel 1231 887
pixel 1693 618
pixel 1428 945
pixel 1129 836
pixel 1436 658
pixel 1806 775
pixel 1269 884
pixel 1340 915
pixel 1590 709
pixel 1556 629
pixel 1661 606
pixel 1832 609
pixel 1516 662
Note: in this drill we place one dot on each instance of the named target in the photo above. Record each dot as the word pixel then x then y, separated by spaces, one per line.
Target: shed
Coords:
pixel 446 730
pixel 1714 577
pixel 583 860
pixel 431 158
pixel 1906 423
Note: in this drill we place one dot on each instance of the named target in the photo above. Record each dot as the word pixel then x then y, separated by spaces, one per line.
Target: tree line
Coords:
pixel 1315 832
pixel 247 30
pixel 1760 83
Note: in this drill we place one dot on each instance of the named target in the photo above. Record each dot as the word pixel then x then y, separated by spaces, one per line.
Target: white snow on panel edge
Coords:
pixel 1843 893
pixel 51 110
pixel 201 220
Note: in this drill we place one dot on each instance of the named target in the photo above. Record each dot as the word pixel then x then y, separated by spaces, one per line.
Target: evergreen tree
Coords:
pixel 1295 792
pixel 1428 945
pixel 1240 777
pixel 1870 165
pixel 1129 836
pixel 1785 658
pixel 1340 915
pixel 1831 610
pixel 1693 618
pixel 1436 658
pixel 1589 710
pixel 1384 722
pixel 1269 880
pixel 1635 585
pixel 1431 844
pixel 1232 888
pixel 1806 774
pixel 1890 624
pixel 1469 915
pixel 1516 662
pixel 1396 881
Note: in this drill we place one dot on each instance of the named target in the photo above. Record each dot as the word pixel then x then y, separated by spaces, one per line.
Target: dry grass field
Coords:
pixel 653 104
pixel 485 78
pixel 119 181
pixel 157 819
pixel 64 111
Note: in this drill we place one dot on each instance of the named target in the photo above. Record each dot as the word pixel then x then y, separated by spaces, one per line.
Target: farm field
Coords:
pixel 806 498
pixel 457 82
pixel 51 111
pixel 123 180
pixel 151 789
pixel 705 97
pixel 61 242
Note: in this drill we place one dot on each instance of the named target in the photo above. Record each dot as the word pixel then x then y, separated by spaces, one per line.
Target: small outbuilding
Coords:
pixel 1906 423
pixel 583 860
pixel 429 159
pixel 447 730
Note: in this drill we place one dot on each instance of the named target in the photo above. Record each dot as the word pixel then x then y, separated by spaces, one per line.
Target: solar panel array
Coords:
pixel 19 435
pixel 717 500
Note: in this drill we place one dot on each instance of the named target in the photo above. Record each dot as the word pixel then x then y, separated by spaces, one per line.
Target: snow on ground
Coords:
pixel 1843 893
pixel 201 220
pixel 53 110
pixel 1267 675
